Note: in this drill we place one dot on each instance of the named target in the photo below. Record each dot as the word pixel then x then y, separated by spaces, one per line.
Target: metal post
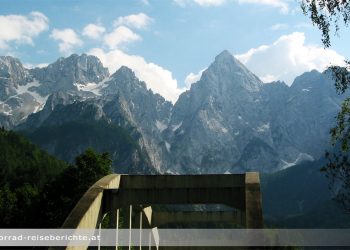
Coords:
pixel 117 232
pixel 99 232
pixel 140 229
pixel 150 240
pixel 130 227
pixel 99 235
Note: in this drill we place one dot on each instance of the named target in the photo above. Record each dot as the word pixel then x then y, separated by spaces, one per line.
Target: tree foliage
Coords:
pixel 338 166
pixel 37 190
pixel 24 171
pixel 328 14
pixel 61 195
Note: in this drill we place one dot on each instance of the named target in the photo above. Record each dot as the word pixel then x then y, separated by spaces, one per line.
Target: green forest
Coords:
pixel 33 181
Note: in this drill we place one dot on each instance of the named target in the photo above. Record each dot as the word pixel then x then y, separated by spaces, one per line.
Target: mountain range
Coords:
pixel 227 122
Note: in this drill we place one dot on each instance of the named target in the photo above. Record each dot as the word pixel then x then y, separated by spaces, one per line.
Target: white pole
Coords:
pixel 99 232
pixel 130 227
pixel 149 240
pixel 140 229
pixel 99 236
pixel 117 232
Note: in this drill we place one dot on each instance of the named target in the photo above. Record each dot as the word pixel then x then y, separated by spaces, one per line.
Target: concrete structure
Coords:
pixel 162 218
pixel 240 191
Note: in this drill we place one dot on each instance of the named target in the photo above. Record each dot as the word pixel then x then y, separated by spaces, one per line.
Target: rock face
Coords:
pixel 15 102
pixel 229 121
pixel 133 105
pixel 69 73
pixel 23 91
pixel 213 121
pixel 120 99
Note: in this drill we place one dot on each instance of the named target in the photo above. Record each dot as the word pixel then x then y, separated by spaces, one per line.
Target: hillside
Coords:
pixel 25 170
pixel 299 197
pixel 69 139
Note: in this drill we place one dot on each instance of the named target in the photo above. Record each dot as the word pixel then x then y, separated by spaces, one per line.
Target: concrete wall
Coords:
pixel 241 191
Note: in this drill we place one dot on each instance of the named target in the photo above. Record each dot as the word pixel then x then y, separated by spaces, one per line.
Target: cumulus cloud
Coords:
pixel 67 38
pixel 93 31
pixel 193 77
pixel 288 57
pixel 203 3
pixel 21 29
pixel 156 78
pixel 280 4
pixel 138 21
pixel 121 35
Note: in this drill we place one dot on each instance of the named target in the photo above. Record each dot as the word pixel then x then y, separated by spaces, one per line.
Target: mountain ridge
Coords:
pixel 228 121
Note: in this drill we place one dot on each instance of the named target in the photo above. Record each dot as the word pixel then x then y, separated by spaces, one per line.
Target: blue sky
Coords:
pixel 168 42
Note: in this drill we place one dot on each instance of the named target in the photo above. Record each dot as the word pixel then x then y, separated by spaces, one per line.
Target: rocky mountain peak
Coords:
pixel 9 61
pixel 84 68
pixel 125 72
pixel 66 73
pixel 12 69
pixel 307 80
pixel 229 71
pixel 224 56
pixel 124 77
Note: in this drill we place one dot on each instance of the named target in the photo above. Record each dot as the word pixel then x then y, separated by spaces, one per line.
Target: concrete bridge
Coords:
pixel 139 193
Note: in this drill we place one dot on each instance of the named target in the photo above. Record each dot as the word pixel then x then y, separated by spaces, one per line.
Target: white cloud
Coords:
pixel 21 29
pixel 193 77
pixel 67 38
pixel 207 3
pixel 138 21
pixel 280 4
pixel 279 26
pixel 288 57
pixel 203 3
pixel 93 31
pixel 119 36
pixel 268 78
pixel 157 78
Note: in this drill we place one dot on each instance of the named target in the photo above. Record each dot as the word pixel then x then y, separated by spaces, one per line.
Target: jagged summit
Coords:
pixel 226 58
pixel 9 59
pixel 11 67
pixel 66 73
pixel 82 62
pixel 125 71
pixel 228 71
pixel 124 81
pixel 305 79
pixel 225 54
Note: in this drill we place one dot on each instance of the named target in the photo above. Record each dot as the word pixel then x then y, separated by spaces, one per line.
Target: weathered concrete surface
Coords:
pixel 253 206
pixel 241 191
pixel 123 197
pixel 182 181
pixel 89 210
pixel 162 218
